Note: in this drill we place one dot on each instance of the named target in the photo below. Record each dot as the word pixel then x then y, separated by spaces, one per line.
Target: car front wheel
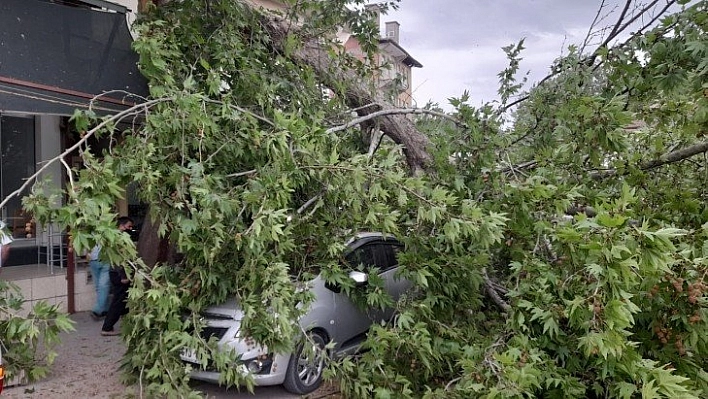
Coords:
pixel 306 366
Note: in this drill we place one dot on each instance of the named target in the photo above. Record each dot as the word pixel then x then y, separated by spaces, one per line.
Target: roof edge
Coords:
pixel 408 60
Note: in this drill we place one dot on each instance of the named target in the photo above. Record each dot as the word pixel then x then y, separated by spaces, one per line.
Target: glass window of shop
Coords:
pixel 17 147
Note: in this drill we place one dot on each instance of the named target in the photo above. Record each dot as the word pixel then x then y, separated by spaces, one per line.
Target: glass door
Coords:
pixel 17 147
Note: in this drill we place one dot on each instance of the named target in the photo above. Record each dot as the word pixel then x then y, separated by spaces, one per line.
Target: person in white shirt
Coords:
pixel 5 240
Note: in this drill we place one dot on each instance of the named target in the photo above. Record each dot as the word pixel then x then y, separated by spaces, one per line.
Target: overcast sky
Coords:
pixel 459 41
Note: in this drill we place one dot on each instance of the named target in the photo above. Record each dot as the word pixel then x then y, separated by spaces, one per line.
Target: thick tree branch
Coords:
pixel 394 111
pixel 676 156
pixel 244 173
pixel 492 292
pixel 392 122
pixel 671 157
pixel 637 33
pixel 668 158
pixel 627 3
pixel 621 27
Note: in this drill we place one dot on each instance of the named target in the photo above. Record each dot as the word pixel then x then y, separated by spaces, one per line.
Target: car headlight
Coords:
pixel 259 365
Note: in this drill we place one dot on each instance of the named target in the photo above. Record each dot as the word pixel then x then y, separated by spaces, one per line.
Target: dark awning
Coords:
pixel 57 56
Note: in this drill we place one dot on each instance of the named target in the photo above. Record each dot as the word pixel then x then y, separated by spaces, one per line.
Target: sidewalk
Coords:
pixel 87 367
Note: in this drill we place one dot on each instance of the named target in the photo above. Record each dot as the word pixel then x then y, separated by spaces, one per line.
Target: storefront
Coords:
pixel 56 56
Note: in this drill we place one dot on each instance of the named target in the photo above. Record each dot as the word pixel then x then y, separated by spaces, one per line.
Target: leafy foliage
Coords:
pixel 242 176
pixel 28 341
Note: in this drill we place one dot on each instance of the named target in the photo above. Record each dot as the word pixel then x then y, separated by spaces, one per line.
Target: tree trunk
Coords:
pixel 151 248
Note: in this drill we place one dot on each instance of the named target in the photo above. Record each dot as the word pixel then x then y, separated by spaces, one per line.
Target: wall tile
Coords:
pixel 60 285
pixel 25 287
pixel 44 287
pixel 62 302
pixel 26 308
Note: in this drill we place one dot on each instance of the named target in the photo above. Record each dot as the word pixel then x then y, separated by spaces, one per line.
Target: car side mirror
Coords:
pixel 359 278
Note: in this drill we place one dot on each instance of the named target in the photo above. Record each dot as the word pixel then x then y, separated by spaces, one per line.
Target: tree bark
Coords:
pixel 671 157
pixel 677 155
pixel 151 248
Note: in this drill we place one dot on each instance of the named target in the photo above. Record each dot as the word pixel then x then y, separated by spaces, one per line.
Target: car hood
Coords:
pixel 229 309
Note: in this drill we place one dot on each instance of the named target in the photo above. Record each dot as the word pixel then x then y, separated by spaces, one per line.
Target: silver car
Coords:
pixel 331 318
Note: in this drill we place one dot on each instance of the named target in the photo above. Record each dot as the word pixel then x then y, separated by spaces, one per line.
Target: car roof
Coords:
pixel 365 237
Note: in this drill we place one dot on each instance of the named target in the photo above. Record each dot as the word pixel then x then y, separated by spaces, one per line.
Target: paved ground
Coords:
pixel 87 368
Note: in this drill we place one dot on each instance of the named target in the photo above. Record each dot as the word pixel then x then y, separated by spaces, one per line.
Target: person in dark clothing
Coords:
pixel 120 285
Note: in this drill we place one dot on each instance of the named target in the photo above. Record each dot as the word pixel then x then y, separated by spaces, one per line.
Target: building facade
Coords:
pixel 394 64
pixel 60 55
pixel 55 57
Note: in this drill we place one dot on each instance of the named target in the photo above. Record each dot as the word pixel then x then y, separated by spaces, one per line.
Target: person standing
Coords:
pixel 120 284
pixel 99 274
pixel 5 240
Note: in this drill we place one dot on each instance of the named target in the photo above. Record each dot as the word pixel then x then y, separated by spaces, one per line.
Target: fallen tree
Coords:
pixel 250 181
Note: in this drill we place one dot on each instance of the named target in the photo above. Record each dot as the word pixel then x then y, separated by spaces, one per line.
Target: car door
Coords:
pixel 387 264
pixel 349 323
pixel 379 256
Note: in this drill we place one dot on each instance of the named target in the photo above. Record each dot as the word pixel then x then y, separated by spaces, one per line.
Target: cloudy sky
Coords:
pixel 459 41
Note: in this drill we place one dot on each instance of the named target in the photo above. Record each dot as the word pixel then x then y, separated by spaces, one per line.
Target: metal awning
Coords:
pixel 56 56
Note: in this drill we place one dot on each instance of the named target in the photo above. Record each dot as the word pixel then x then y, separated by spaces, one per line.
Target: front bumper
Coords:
pixel 246 349
pixel 274 378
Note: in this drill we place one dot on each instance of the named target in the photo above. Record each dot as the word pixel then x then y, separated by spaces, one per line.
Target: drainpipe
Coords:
pixel 70 274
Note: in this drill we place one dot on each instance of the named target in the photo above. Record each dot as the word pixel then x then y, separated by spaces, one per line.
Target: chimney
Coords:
pixel 392 30
pixel 376 10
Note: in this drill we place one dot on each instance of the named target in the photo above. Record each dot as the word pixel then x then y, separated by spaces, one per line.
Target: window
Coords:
pixel 17 147
pixel 378 254
pixel 362 258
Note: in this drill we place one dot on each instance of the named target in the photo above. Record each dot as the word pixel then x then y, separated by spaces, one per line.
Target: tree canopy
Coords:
pixel 556 238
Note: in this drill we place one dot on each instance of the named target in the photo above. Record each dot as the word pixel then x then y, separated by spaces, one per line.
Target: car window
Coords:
pixel 361 258
pixel 377 254
pixel 388 253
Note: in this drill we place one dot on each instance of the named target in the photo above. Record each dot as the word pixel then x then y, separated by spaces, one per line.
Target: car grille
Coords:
pixel 217 332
